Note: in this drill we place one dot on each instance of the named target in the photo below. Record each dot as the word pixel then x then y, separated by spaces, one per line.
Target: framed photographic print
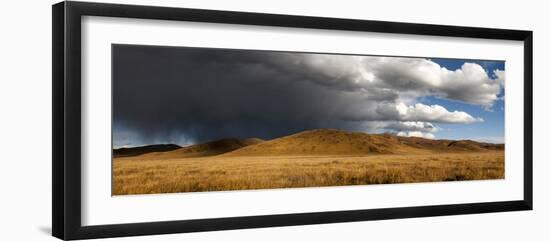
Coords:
pixel 169 120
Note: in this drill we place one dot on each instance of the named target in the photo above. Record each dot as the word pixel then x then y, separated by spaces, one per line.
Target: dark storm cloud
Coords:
pixel 209 94
pixel 165 94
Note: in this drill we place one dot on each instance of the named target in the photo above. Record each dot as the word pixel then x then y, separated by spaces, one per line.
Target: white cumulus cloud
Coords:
pixel 422 112
pixel 416 134
pixel 405 76
pixel 501 76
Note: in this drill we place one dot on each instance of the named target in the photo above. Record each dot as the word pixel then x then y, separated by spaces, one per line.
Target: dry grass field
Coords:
pixel 145 175
pixel 312 158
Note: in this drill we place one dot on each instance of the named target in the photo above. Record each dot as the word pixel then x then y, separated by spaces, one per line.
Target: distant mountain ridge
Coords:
pixel 140 150
pixel 324 142
pixel 211 148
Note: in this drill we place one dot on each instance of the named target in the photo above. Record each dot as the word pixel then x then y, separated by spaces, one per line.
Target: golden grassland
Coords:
pixel 139 175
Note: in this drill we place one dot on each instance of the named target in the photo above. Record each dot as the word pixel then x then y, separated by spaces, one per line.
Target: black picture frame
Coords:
pixel 66 75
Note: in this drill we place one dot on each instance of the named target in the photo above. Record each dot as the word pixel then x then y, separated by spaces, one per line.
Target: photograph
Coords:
pixel 195 119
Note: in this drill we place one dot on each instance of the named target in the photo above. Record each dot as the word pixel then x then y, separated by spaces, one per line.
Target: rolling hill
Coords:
pixel 326 142
pixel 207 149
pixel 313 142
pixel 449 145
pixel 338 142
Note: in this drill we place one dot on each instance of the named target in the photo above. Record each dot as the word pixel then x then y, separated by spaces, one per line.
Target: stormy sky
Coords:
pixel 190 95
